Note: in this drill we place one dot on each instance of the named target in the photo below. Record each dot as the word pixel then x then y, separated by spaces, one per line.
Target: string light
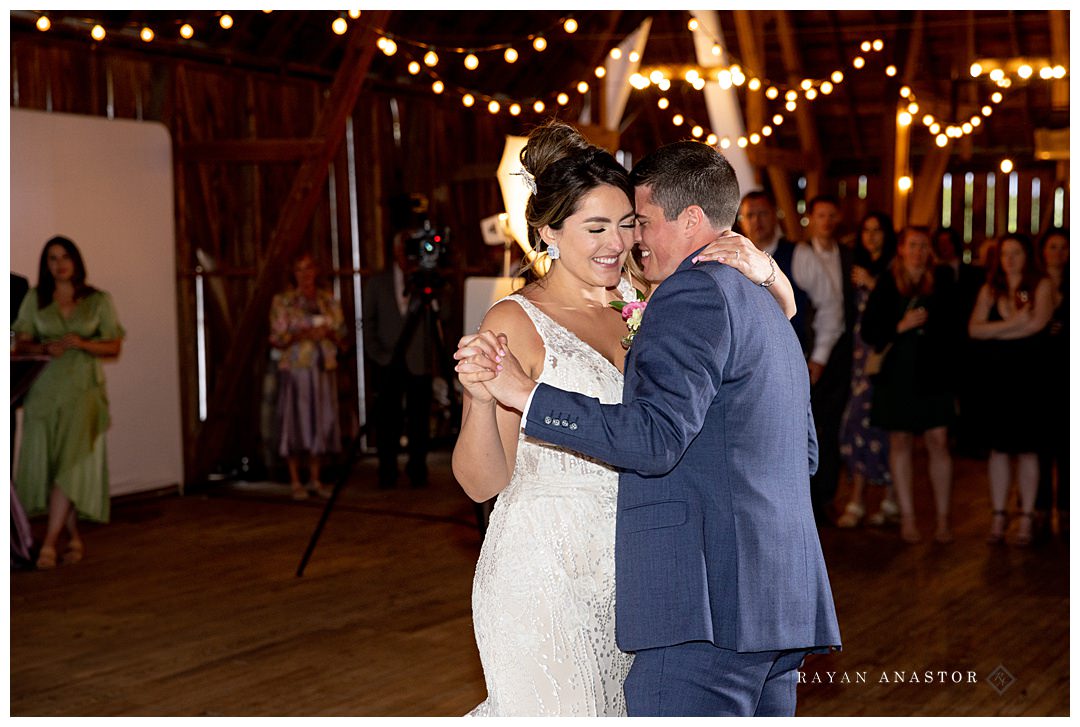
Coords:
pixel 539 107
pixel 186 32
pixel 711 140
pixel 43 23
pixel 663 102
pixel 858 62
pixel 339 26
pixel 771 92
pixel 98 32
pixel 493 106
pixel 515 109
pixel 826 87
pixel 878 44
pixel 616 53
pixel 225 21
pixel 634 56
pixel 582 87
pixel 539 44
pixel 438 87
pixel 696 132
pixel 755 84
pixel 664 84
pixel 811 94
pixel 976 70
pixel 431 59
pixel 904 183
pixel 389 47
pixel 1024 71
pixel 562 99
pixel 677 119
pixel 146 34
pixel 1006 166
pixel 510 56
pixel 742 142
pixel 570 26
pixel 354 14
pixel 472 62
pixel 414 67
pixel 600 71
pixel 890 71
pixel 693 24
pixel 837 76
pixel 468 100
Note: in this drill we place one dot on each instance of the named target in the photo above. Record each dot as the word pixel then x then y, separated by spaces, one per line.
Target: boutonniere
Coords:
pixel 631 313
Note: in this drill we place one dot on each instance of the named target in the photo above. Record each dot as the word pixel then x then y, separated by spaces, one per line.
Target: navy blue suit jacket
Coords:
pixel 715 537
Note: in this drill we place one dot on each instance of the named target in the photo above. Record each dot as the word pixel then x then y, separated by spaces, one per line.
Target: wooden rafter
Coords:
pixel 852 116
pixel 804 120
pixel 307 190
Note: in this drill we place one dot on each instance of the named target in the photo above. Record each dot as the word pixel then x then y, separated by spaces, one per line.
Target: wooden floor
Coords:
pixel 190 606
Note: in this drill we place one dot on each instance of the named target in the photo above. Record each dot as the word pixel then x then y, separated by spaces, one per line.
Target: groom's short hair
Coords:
pixel 690 173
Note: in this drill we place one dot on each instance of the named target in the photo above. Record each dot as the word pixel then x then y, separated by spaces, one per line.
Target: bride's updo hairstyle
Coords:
pixel 565 167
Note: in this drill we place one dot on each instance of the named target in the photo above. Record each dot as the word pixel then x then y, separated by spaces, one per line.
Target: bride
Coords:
pixel 544 591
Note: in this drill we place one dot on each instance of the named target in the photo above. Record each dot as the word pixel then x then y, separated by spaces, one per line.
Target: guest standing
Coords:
pixel 864 447
pixel 1054 256
pixel 306 322
pixel 63 467
pixel 908 317
pixel 1012 310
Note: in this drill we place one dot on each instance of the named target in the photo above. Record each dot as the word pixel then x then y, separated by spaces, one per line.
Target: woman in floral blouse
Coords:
pixel 307 324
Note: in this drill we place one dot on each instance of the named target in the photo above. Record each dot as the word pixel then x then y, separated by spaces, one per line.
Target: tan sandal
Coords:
pixel 74 552
pixel 853 515
pixel 46 559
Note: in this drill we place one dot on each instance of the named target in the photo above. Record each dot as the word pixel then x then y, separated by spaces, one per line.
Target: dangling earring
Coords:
pixel 553 251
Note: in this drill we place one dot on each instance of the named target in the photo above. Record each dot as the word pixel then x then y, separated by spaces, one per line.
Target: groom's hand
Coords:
pixel 476 364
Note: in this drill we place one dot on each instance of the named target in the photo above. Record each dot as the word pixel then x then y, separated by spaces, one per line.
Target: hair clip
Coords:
pixel 527 177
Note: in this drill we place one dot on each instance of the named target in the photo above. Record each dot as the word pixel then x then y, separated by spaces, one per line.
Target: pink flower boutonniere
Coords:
pixel 631 313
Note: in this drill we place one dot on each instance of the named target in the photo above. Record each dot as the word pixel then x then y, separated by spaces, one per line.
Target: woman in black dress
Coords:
pixel 909 317
pixel 1054 259
pixel 1012 310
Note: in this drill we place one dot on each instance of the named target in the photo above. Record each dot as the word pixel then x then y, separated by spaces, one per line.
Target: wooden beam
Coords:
pixel 852 115
pixel 750 51
pixel 804 119
pixel 307 190
pixel 1059 54
pixel 250 150
pixel 927 186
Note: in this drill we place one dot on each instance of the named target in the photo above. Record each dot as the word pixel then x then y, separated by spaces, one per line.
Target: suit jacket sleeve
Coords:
pixel 677 359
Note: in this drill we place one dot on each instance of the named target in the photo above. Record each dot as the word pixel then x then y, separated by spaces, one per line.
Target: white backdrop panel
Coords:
pixel 108 185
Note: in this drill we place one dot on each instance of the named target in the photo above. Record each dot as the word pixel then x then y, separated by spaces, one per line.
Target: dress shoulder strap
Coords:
pixel 541 322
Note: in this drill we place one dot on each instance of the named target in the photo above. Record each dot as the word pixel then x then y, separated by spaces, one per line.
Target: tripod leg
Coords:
pixel 354 453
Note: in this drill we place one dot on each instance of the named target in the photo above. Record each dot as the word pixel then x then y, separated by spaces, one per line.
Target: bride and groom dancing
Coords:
pixel 653 549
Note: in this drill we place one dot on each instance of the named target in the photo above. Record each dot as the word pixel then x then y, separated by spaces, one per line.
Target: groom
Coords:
pixel 721 588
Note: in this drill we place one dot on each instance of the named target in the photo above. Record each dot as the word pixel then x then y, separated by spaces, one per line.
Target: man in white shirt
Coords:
pixel 832 385
pixel 819 320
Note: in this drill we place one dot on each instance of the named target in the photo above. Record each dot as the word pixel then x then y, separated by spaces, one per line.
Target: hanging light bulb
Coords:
pixel 514 109
pixel 725 143
pixel 1046 73
pixel 225 21
pixel 997 74
pixel 903 118
pixel 716 49
pixel 663 103
pixel 146 34
pixel 811 94
pixel 539 43
pixel 777 120
pixel 616 53
pixel 570 26
pixel 468 100
pixel 806 84
pixel 837 76
pixel 905 91
pixel 600 71
pixel 414 68
pixel 858 62
pixel 927 120
pixel 696 132
pixel 976 70
pixel 98 33
pixel 634 56
pixel 1006 166
pixel 790 105
pixel 754 84
pixel 354 14
pixel 935 128
pixel 691 75
pixel 693 24
pixel 638 81
pixel 1024 71
pixel 582 87
pixel 699 83
pixel 791 95
pixel 913 108
pixel 664 84
pixel 472 62
pixel 538 107
pixel 510 55
pixel 755 138
pixel 865 46
pixel 976 120
pixel 677 119
pixel 562 99
pixel 339 26
pixel 826 87
pixel 742 142
pixel 996 97
pixel 766 131
pixel 941 140
pixel 904 183
pixel 890 71
pixel 966 127
pixel 493 106
pixel 1059 72
pixel 43 23
pixel 771 92
pixel 431 59
pixel 878 44
pixel 438 87
pixel 711 139
pixel 186 32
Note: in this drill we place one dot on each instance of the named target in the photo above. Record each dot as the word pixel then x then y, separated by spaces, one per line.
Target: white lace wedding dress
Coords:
pixel 544 591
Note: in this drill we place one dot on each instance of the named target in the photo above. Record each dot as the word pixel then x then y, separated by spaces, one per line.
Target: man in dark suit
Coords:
pixel 721 588
pixel 403 347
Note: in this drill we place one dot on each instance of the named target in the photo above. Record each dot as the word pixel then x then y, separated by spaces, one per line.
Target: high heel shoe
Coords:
pixel 74 552
pixel 46 559
pixel 1024 529
pixel 909 533
pixel 998 523
pixel 853 515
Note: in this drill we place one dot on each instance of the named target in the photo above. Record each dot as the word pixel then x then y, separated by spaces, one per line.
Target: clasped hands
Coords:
pixel 490 372
pixel 61 345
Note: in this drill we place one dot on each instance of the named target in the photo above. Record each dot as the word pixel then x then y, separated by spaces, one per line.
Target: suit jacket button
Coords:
pixel 547 420
pixel 573 425
pixel 565 423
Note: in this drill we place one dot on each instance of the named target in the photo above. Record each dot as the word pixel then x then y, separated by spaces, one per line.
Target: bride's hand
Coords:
pixel 736 251
pixel 476 363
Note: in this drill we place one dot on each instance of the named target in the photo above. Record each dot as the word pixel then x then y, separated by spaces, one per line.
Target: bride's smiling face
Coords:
pixel 595 240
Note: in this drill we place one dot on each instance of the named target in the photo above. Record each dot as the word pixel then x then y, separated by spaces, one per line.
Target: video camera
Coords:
pixel 427 246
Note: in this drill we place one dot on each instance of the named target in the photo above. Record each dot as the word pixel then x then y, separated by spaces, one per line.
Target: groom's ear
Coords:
pixel 693 220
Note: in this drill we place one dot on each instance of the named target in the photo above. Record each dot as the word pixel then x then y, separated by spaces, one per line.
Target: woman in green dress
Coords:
pixel 62 467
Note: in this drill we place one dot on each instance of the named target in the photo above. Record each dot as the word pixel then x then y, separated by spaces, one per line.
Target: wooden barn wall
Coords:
pixel 226 210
